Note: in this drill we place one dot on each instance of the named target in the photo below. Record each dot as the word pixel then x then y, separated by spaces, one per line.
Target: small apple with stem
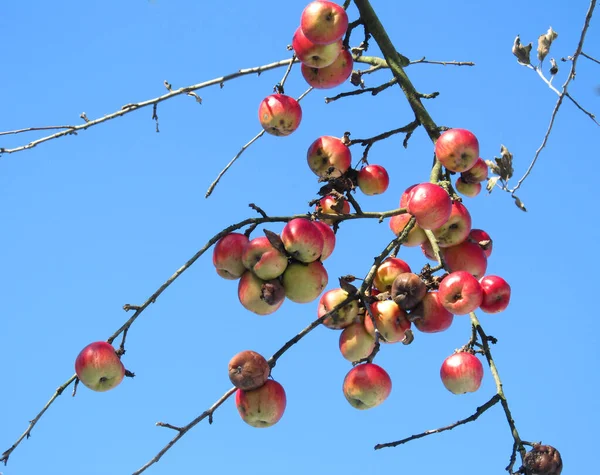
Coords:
pixel 324 22
pixel 462 373
pixel 279 115
pixel 98 367
pixel 373 179
pixel 496 294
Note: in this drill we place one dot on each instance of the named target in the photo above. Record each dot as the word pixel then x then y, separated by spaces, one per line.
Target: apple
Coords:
pixel 542 460
pixel 477 173
pixel 263 259
pixel 366 386
pixel 330 76
pixel 324 22
pixel 467 256
pixel 470 190
pixel 248 370
pixel 342 317
pixel 328 239
pixel 430 316
pixel 387 272
pixel 390 320
pixel 457 150
pixel 373 179
pixel 262 297
pixel 303 283
pixel 496 294
pixel 279 115
pixel 261 407
pixel 456 228
pixel 227 256
pixel 312 54
pixel 405 195
pixel 355 342
pixel 461 373
pixel 328 157
pixel 330 205
pixel 416 236
pixel 428 250
pixel 483 239
pixel 430 204
pixel 408 290
pixel 98 367
pixel 460 293
pixel 303 240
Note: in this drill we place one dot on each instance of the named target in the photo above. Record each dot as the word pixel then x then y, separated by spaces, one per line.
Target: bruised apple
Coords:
pixel 248 370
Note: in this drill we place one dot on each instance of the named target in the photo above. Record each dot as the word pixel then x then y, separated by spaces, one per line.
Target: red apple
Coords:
pixel 328 157
pixel 248 370
pixel 330 205
pixel 428 250
pixel 324 22
pixel 430 205
pixel 303 240
pixel 430 316
pixel 303 283
pixel 227 256
pixel 366 386
pixel 467 256
pixel 373 179
pixel 416 236
pixel 263 259
pixel 461 373
pixel 483 239
pixel 477 173
pixel 460 293
pixel 496 294
pixel 471 190
pixel 457 227
pixel 279 115
pixel 390 320
pixel 98 367
pixel 328 239
pixel 457 149
pixel 405 195
pixel 312 54
pixel 262 297
pixel 329 76
pixel 261 407
pixel 387 272
pixel 342 317
pixel 355 342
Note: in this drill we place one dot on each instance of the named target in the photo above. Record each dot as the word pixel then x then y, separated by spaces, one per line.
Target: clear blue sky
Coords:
pixel 94 221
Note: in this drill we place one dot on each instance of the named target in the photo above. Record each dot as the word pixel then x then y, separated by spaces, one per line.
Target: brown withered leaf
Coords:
pixel 521 52
pixel 347 286
pixel 491 183
pixel 519 203
pixel 544 43
pixel 503 165
pixel 275 241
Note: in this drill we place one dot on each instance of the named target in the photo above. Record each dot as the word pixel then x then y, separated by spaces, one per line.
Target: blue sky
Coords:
pixel 94 221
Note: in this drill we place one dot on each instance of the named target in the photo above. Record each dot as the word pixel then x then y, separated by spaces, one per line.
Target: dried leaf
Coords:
pixel 504 164
pixel 521 52
pixel 347 286
pixel 491 183
pixel 544 43
pixel 275 240
pixel 493 167
pixel 519 203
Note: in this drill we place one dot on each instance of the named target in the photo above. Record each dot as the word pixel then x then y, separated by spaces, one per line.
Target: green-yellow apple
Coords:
pixel 263 259
pixel 262 297
pixel 303 283
pixel 342 317
pixel 355 342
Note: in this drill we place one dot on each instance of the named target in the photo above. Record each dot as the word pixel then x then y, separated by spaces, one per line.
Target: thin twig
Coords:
pixel 589 57
pixel 443 63
pixel 373 90
pixel 33 129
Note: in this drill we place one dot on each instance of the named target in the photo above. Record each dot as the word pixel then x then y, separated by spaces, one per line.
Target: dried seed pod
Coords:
pixel 542 460
pixel 408 290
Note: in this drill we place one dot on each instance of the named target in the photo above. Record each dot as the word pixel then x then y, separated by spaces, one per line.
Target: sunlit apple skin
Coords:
pixel 261 407
pixel 328 205
pixel 367 386
pixel 496 294
pixel 355 342
pixel 416 236
pixel 248 370
pixel 460 293
pixel 328 239
pixel 314 55
pixel 373 179
pixel 405 195
pixel 430 316
pixel 483 239
pixel 263 259
pixel 457 149
pixel 467 256
pixel 461 373
pixel 328 157
pixel 303 283
pixel 227 256
pixel 388 270
pixel 470 190
pixel 303 240
pixel 391 321
pixel 330 76
pixel 456 228
pixel 477 173
pixel 342 317
pixel 324 22
pixel 279 115
pixel 262 297
pixel 98 367
pixel 430 204
pixel 428 250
